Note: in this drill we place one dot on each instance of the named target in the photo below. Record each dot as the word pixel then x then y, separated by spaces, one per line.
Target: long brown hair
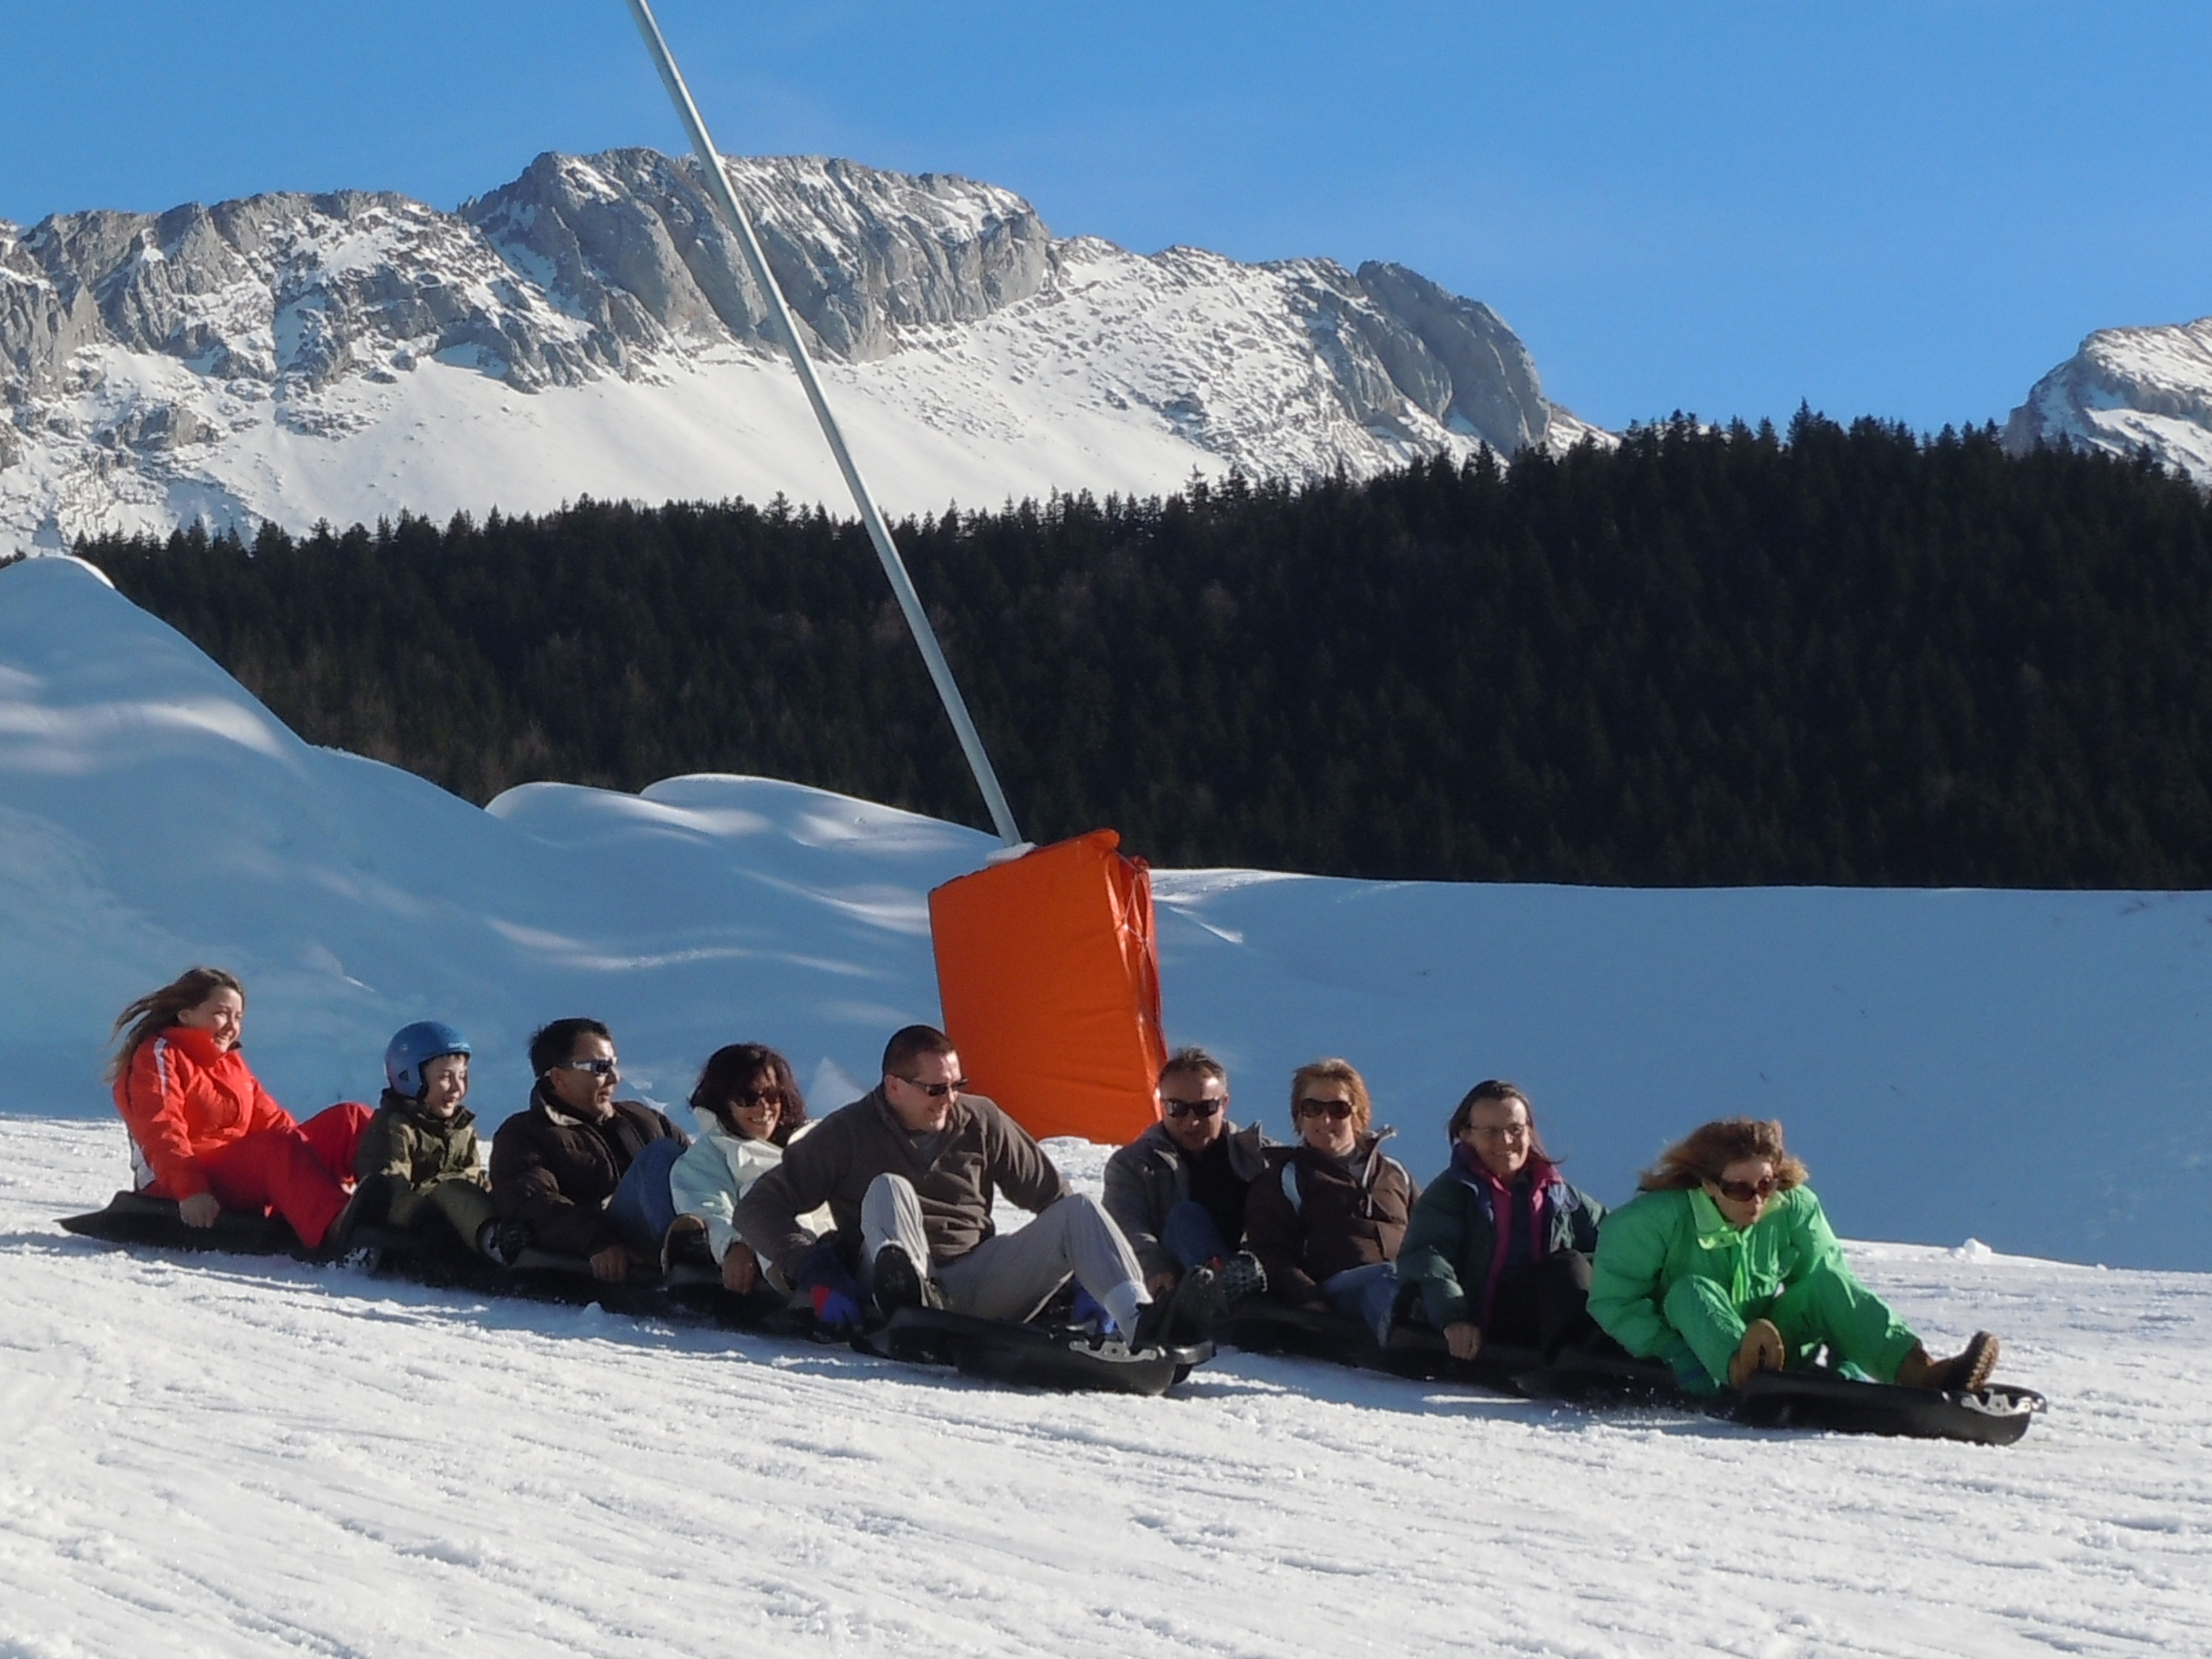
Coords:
pixel 731 1070
pixel 1701 1155
pixel 157 1011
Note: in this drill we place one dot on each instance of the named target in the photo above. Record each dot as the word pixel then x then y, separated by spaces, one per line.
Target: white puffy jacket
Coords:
pixel 718 1170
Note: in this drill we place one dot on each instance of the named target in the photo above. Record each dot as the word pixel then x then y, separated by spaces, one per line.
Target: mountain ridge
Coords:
pixel 289 356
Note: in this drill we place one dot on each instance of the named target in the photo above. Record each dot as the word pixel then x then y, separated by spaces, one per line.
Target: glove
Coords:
pixel 835 1309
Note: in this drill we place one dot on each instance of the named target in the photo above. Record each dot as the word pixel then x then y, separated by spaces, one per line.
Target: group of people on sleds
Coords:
pixel 1721 1266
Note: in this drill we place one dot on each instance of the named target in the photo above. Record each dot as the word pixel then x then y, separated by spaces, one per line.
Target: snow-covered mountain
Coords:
pixel 2126 389
pixel 588 329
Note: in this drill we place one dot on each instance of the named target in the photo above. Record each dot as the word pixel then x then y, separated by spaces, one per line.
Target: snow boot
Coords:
pixel 1964 1372
pixel 1177 1321
pixel 1761 1350
pixel 503 1242
pixel 898 1283
pixel 1241 1278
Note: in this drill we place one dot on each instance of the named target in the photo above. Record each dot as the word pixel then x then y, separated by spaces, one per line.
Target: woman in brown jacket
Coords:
pixel 1327 1217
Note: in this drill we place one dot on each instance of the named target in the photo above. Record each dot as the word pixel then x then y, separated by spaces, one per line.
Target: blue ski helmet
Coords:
pixel 425 1040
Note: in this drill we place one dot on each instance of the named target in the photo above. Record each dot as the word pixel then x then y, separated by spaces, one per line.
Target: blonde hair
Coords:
pixel 1333 1071
pixel 157 1011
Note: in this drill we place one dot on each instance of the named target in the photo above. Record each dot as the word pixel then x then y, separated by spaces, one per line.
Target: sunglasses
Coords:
pixel 1337 1109
pixel 1189 1107
pixel 596 1068
pixel 747 1100
pixel 1742 1192
pixel 934 1090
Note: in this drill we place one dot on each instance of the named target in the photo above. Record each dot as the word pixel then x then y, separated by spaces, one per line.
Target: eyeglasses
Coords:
pixel 1189 1107
pixel 1499 1131
pixel 934 1090
pixel 1742 1192
pixel 607 1067
pixel 752 1100
pixel 1337 1109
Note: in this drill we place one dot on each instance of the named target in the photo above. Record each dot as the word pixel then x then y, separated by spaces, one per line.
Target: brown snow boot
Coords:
pixel 1761 1350
pixel 1964 1372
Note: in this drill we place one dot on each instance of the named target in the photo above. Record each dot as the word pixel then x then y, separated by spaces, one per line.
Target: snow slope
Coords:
pixel 2023 1068
pixel 227 1456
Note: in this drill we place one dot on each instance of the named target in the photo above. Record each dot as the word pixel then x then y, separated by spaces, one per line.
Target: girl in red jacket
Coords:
pixel 205 1131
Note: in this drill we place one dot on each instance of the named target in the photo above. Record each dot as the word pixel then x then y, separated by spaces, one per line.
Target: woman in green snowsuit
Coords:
pixel 1724 1265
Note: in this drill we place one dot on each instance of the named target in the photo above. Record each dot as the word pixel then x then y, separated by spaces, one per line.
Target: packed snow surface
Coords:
pixel 238 1456
pixel 2028 1069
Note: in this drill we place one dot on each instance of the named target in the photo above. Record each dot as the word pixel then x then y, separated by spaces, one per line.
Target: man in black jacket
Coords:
pixel 1177 1191
pixel 586 1173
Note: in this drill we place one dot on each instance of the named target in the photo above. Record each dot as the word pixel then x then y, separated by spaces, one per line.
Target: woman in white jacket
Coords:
pixel 750 1109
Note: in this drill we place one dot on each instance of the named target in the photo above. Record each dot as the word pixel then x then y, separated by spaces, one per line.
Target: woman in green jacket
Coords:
pixel 1723 1265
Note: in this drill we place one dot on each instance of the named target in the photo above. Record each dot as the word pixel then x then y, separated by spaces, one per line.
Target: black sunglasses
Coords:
pixel 749 1099
pixel 1175 1108
pixel 596 1068
pixel 1742 1192
pixel 934 1090
pixel 1338 1109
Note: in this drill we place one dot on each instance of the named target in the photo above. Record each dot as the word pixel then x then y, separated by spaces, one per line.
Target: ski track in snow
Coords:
pixel 258 1457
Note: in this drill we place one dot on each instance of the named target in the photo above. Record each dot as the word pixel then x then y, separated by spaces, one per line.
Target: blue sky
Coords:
pixel 1912 211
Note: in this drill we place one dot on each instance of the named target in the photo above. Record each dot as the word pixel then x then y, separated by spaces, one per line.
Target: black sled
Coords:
pixel 433 1256
pixel 1040 1356
pixel 1263 1326
pixel 1816 1398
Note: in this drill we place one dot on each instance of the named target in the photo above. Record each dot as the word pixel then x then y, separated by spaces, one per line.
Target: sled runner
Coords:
pixel 1039 1356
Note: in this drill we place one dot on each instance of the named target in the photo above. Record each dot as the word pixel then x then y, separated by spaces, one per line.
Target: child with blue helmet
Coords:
pixel 418 1161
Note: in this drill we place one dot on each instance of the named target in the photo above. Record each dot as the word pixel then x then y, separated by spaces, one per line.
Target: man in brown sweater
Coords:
pixel 910 1170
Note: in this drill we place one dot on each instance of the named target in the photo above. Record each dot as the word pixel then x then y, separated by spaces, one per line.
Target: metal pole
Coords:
pixel 718 188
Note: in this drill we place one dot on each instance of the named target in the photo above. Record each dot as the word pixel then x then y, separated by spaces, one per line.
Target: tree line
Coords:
pixel 1833 655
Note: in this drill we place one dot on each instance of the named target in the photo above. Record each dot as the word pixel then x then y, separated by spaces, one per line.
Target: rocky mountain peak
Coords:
pixel 289 356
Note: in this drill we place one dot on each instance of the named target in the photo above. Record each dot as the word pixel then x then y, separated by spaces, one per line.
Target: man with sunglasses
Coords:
pixel 1177 1191
pixel 585 1173
pixel 909 1172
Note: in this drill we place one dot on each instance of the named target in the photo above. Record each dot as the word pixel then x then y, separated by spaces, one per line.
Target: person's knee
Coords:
pixel 1692 1300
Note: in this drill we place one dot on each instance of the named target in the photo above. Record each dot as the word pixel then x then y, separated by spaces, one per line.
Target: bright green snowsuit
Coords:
pixel 1674 1281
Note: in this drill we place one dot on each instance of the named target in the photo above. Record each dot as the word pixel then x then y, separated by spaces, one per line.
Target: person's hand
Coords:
pixel 200 1210
pixel 740 1269
pixel 1463 1339
pixel 612 1265
pixel 1163 1283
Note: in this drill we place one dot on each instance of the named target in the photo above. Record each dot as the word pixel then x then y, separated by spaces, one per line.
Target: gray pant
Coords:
pixel 1012 1275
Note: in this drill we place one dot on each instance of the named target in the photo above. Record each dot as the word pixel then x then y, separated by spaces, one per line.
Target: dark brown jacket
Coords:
pixel 1309 1217
pixel 556 1171
pixel 983 1153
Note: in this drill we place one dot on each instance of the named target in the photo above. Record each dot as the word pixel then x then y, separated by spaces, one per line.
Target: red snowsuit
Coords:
pixel 201 1122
